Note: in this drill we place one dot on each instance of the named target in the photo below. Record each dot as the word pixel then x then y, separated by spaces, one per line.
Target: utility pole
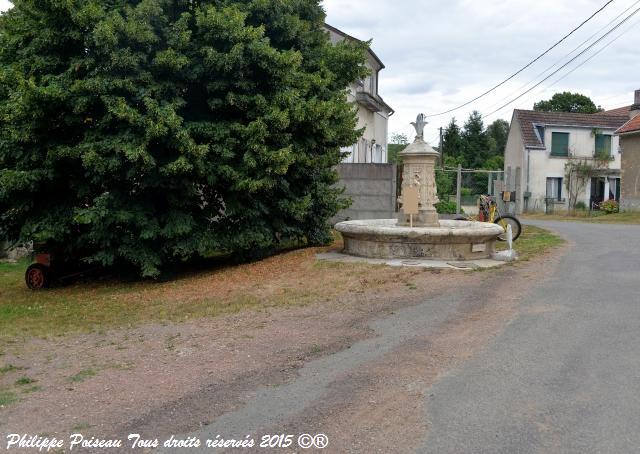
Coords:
pixel 441 148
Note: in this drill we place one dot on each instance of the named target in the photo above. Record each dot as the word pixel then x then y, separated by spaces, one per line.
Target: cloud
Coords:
pixel 440 55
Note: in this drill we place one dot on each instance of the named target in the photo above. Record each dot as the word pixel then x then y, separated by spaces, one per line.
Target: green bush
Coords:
pixel 148 132
pixel 446 207
pixel 581 206
pixel 465 192
pixel 610 207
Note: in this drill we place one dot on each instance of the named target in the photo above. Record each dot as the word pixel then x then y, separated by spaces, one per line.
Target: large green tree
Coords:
pixel 452 141
pixel 475 149
pixel 497 135
pixel 568 102
pixel 146 132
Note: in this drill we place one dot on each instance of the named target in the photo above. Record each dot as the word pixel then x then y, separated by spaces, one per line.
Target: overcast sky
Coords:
pixel 441 54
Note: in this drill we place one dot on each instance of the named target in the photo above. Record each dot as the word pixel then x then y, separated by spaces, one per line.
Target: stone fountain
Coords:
pixel 418 233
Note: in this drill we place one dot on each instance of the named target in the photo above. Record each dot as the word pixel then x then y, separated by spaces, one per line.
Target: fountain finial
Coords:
pixel 419 124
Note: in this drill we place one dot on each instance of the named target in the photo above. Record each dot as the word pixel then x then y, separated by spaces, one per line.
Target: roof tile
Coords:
pixel 632 125
pixel 530 118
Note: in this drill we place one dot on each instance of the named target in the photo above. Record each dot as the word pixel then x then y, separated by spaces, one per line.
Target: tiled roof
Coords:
pixel 530 118
pixel 619 111
pixel 632 125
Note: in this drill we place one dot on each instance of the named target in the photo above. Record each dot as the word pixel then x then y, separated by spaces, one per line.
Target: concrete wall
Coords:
pixel 372 188
pixel 630 190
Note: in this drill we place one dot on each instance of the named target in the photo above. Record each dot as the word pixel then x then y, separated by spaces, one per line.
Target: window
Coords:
pixel 540 133
pixel 554 189
pixel 377 153
pixel 603 146
pixel 560 144
pixel 350 153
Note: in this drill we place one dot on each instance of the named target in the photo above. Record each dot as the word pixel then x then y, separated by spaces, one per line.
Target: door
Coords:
pixel 597 191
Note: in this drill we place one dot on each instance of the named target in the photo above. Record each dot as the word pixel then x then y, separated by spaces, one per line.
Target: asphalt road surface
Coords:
pixel 542 359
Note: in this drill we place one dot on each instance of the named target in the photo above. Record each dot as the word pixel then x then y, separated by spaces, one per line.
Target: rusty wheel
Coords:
pixel 37 277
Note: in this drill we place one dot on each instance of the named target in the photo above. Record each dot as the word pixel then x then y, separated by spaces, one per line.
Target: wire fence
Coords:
pixel 460 189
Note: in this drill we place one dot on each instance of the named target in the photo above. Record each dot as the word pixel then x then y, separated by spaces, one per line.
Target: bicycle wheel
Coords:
pixel 516 227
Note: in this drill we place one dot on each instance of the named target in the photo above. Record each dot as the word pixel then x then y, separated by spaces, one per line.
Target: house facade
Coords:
pixel 629 135
pixel 541 144
pixel 373 112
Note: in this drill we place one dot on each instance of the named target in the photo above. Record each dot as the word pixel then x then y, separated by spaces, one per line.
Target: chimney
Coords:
pixel 635 108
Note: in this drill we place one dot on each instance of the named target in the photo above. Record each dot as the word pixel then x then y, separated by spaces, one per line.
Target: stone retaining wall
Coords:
pixel 372 188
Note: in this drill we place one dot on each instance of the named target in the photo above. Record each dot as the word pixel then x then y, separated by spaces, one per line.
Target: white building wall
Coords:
pixel 543 165
pixel 373 145
pixel 514 155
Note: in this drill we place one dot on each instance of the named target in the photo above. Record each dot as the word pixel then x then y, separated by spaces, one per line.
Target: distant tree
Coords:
pixel 494 163
pixel 452 141
pixel 568 102
pixel 497 134
pixel 398 143
pixel 475 148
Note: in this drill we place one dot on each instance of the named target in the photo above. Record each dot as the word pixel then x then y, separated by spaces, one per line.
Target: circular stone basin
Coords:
pixel 453 240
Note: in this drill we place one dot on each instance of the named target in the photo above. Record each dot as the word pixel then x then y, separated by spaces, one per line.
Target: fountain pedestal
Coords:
pixel 419 161
pixel 426 237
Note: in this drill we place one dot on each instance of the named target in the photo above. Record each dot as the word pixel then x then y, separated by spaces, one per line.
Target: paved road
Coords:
pixel 563 380
pixel 560 374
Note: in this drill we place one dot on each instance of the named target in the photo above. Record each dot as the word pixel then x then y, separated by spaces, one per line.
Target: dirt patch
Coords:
pixel 177 376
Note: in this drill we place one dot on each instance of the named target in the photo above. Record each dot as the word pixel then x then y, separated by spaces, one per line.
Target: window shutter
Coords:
pixel 603 145
pixel 560 144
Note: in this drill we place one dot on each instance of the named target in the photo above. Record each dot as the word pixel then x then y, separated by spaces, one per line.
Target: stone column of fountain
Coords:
pixel 419 161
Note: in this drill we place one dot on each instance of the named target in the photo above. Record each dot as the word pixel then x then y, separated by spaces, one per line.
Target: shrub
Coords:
pixel 446 207
pixel 581 206
pixel 149 132
pixel 610 207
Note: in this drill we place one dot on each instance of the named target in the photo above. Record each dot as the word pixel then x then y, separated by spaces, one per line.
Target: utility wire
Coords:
pixel 567 63
pixel 566 56
pixel 584 63
pixel 527 65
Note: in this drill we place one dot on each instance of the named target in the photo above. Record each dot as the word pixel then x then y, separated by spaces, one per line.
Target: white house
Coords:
pixel 373 112
pixel 540 145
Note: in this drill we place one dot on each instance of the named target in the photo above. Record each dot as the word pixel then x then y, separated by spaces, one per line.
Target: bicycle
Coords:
pixel 489 212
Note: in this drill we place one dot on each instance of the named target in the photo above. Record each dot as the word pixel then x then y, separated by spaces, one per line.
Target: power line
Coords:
pixel 567 63
pixel 579 66
pixel 527 65
pixel 567 55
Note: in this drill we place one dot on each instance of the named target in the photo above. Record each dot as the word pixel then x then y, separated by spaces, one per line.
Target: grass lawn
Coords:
pixel 291 278
pixel 618 218
pixel 534 241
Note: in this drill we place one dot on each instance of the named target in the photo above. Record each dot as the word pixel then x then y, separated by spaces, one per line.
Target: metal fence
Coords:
pixel 462 188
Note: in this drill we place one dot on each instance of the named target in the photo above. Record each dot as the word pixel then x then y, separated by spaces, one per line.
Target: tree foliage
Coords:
pixel 475 147
pixel 452 141
pixel 579 172
pixel 397 143
pixel 146 132
pixel 568 102
pixel 475 143
pixel 497 135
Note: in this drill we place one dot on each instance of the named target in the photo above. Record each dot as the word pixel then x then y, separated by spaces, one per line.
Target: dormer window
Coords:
pixel 540 133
